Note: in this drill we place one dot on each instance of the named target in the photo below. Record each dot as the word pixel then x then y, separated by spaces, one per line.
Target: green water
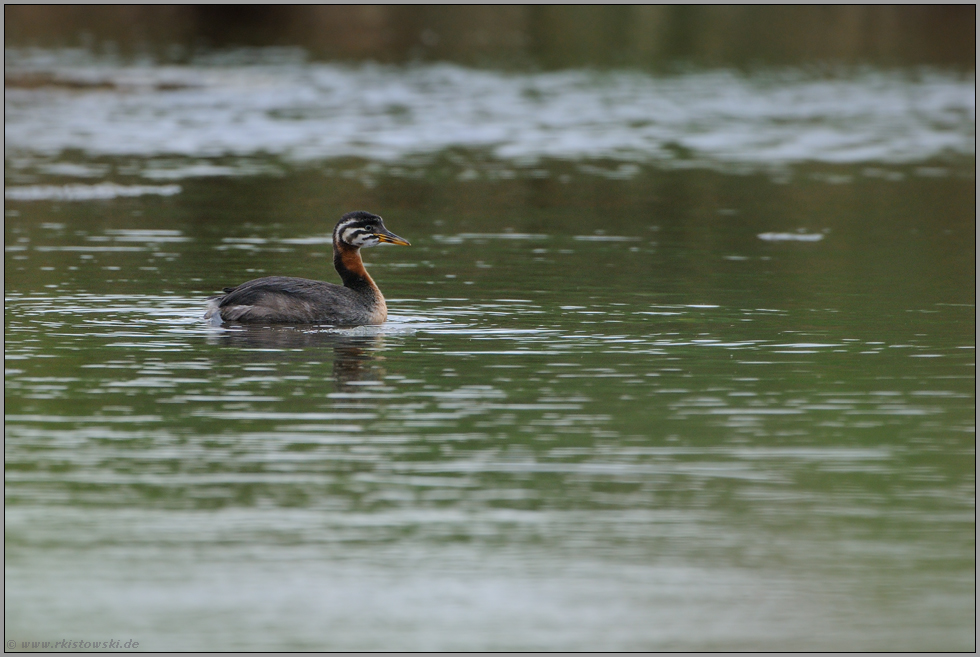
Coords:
pixel 604 414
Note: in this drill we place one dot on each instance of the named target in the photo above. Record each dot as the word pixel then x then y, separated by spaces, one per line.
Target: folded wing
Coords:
pixel 281 299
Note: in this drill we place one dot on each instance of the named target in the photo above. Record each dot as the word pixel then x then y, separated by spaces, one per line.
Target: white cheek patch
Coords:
pixel 358 237
pixel 347 235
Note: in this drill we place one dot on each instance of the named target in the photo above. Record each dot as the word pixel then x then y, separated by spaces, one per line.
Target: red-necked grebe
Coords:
pixel 285 300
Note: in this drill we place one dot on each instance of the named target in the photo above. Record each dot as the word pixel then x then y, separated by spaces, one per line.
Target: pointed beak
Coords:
pixel 388 237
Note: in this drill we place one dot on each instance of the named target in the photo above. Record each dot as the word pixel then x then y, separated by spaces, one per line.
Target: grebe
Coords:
pixel 285 300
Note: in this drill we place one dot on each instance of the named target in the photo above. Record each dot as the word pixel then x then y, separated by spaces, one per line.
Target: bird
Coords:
pixel 287 300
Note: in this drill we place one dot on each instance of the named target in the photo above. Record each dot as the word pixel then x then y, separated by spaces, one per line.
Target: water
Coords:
pixel 690 396
pixel 313 112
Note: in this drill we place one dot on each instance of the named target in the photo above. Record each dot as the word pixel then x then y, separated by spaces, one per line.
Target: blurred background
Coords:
pixel 682 356
pixel 548 37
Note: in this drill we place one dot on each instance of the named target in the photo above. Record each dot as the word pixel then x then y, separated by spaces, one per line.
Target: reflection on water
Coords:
pixel 302 112
pixel 356 353
pixel 580 485
pixel 618 404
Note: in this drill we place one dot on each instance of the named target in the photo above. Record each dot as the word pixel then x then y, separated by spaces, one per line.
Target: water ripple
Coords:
pixel 302 112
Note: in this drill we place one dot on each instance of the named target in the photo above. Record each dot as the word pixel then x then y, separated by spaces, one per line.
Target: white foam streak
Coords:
pixel 77 192
pixel 310 112
pixel 791 237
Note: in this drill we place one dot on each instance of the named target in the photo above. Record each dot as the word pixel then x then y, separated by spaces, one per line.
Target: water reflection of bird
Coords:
pixel 285 300
pixel 356 358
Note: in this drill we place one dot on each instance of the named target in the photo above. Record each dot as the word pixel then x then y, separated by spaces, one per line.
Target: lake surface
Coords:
pixel 673 362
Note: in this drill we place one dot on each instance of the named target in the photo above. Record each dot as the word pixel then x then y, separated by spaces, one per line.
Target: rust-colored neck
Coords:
pixel 347 260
